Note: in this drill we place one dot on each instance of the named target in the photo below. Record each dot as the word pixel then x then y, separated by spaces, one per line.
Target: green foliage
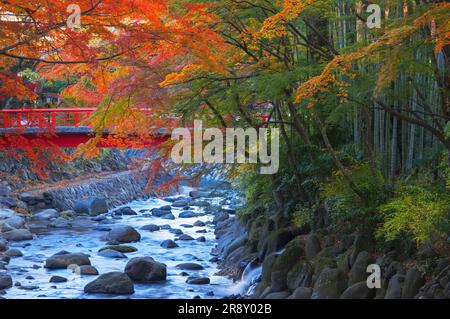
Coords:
pixel 345 204
pixel 302 216
pixel 416 212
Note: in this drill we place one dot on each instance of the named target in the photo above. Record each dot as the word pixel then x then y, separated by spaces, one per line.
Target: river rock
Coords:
pixel 124 234
pixel 6 213
pixel 330 284
pixel 46 214
pixel 5 281
pixel 292 253
pixel 201 239
pixel 113 283
pixel 300 275
pixel 120 248
pixel 176 231
pixel 4 259
pixel 109 253
pixel 91 206
pixel 220 217
pixel 18 235
pixel 199 194
pixel 187 214
pixel 190 266
pixel 413 281
pixel 64 260
pixel 165 207
pixel 358 271
pixel 156 212
pixel 58 279
pixel 87 270
pixel 168 216
pixel 8 202
pixel 198 280
pixel 394 290
pixel 185 237
pixel 278 295
pixel 301 293
pixel 60 223
pixel 180 203
pixel 13 253
pixel 312 246
pixel 15 222
pixel 151 227
pixel 200 203
pixel 358 291
pixel 199 223
pixel 169 244
pixel 127 211
pixel 146 269
pixel 5 227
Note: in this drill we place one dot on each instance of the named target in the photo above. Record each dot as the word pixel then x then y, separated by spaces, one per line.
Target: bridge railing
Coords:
pixel 44 117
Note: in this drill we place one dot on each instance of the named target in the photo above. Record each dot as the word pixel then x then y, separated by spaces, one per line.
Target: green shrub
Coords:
pixel 302 216
pixel 346 206
pixel 415 212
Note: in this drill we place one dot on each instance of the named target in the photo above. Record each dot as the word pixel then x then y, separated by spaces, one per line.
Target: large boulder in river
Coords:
pixel 62 261
pixel 18 235
pixel 91 206
pixel 124 234
pixel 146 269
pixel 112 283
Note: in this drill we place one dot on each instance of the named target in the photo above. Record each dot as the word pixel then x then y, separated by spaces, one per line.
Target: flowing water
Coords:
pixel 85 237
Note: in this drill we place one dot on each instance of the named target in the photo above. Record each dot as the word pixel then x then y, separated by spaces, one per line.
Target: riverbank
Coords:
pixel 319 261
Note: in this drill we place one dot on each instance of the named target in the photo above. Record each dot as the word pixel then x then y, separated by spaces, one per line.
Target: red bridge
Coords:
pixel 66 127
pixel 69 127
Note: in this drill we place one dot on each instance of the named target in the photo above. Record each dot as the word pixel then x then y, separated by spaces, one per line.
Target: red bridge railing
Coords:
pixel 44 117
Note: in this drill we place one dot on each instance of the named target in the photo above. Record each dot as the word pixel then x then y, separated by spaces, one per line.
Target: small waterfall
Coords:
pixel 249 280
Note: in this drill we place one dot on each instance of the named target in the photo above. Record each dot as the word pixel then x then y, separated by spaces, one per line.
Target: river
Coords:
pixel 85 236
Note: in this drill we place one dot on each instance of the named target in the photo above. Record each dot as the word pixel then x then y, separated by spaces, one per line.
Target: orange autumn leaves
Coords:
pixel 385 46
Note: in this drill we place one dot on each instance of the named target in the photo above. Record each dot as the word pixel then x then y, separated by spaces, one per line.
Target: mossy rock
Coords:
pixel 294 251
pixel 120 248
pixel 324 260
pixel 300 275
pixel 278 239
